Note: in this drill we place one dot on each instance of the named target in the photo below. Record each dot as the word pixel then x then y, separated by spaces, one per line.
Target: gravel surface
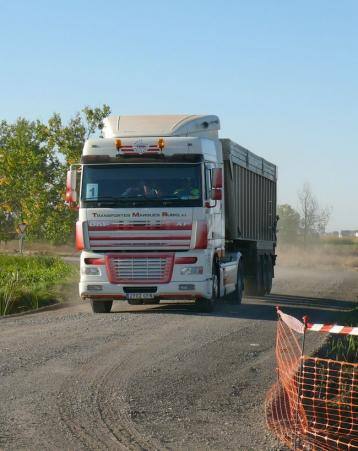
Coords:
pixel 153 377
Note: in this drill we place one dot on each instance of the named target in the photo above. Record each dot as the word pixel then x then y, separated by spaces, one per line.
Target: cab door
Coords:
pixel 214 211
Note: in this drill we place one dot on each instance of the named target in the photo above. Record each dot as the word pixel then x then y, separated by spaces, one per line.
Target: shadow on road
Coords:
pixel 309 302
pixel 317 309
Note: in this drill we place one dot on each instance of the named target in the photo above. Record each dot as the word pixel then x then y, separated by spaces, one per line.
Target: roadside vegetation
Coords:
pixel 38 247
pixel 302 238
pixel 27 283
pixel 303 243
pixel 343 348
pixel 329 253
pixel 304 225
pixel 34 158
pixel 323 253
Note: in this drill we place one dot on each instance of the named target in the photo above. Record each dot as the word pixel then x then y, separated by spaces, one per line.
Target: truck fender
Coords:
pixel 228 273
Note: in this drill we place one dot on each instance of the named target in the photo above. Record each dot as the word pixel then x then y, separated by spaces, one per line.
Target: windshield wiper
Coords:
pixel 112 200
pixel 170 197
pixel 103 198
pixel 118 199
pixel 138 199
pixel 132 198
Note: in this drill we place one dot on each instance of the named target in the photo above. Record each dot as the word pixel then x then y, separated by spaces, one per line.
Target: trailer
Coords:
pixel 250 214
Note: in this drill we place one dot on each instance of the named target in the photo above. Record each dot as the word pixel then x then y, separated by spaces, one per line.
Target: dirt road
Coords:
pixel 154 377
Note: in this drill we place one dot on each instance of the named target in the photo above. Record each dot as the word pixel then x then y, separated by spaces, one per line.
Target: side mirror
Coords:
pixel 216 194
pixel 217 178
pixel 71 194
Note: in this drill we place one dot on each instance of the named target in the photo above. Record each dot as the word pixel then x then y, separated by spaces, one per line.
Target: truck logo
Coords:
pixel 138 214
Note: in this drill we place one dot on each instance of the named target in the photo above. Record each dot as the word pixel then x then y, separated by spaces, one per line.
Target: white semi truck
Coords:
pixel 167 210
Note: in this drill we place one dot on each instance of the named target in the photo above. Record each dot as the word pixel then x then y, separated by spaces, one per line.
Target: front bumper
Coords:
pixel 171 290
pixel 179 287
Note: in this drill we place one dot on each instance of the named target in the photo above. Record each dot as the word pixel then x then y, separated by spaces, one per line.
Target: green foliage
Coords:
pixel 94 118
pixel 289 224
pixel 7 226
pixel 27 282
pixel 34 157
pixel 344 348
pixel 7 293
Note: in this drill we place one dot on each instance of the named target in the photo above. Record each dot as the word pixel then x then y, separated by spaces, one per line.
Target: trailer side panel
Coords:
pixel 250 194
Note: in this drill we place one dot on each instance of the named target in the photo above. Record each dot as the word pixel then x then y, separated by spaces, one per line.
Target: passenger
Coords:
pixel 188 189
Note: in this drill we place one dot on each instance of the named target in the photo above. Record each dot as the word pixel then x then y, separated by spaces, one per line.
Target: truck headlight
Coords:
pixel 190 270
pixel 91 271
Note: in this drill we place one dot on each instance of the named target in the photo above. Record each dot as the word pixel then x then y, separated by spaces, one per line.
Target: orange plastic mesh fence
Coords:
pixel 314 404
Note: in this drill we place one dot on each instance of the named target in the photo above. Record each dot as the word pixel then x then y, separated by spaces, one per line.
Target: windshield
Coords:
pixel 147 185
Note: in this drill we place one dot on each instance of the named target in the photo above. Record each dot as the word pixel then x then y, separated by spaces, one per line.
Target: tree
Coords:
pixel 289 224
pixel 34 158
pixel 94 118
pixel 323 219
pixel 27 172
pixel 314 220
pixel 68 139
pixel 7 226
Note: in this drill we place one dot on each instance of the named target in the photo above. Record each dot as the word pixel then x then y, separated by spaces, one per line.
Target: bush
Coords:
pixel 28 282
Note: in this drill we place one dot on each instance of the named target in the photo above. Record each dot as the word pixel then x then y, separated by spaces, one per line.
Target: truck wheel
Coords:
pixel 101 306
pixel 268 275
pixel 235 297
pixel 261 277
pixel 207 305
pixel 256 286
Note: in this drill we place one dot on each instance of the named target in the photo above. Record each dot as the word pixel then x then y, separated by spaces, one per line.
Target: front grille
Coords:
pixel 140 268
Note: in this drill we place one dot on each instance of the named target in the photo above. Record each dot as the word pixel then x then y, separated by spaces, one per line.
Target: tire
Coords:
pixel 207 305
pixel 268 275
pixel 101 306
pixel 256 287
pixel 260 287
pixel 235 298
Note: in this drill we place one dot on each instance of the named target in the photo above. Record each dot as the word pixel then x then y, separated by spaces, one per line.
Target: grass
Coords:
pixel 343 348
pixel 26 283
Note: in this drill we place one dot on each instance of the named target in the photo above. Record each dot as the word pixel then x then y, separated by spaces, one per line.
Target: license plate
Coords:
pixel 140 295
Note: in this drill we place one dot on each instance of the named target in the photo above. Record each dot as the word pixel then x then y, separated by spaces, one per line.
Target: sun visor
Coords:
pixel 205 126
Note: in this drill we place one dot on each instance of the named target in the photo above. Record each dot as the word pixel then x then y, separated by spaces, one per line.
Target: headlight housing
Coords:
pixel 91 271
pixel 191 270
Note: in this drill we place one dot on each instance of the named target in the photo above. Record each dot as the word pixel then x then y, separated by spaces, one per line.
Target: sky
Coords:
pixel 281 75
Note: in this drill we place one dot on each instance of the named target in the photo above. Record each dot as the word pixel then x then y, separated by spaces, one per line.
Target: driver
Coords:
pixel 143 188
